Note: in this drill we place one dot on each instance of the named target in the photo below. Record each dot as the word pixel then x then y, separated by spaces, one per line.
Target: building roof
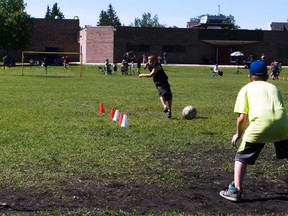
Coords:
pixel 279 26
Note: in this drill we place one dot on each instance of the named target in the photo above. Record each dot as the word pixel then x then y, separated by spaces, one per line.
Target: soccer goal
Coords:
pixel 28 55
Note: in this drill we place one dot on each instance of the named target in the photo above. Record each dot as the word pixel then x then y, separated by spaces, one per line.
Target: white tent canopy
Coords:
pixel 237 53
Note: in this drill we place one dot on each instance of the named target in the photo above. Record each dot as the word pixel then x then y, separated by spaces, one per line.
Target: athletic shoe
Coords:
pixel 231 193
pixel 165 110
pixel 169 114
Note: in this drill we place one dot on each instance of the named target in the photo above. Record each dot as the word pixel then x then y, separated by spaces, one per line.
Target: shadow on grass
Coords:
pixel 180 119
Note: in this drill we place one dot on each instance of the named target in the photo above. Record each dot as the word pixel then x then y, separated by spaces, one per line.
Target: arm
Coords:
pixel 241 125
pixel 152 73
pixel 146 66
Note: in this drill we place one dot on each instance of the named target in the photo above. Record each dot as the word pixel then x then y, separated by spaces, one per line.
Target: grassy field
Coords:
pixel 51 129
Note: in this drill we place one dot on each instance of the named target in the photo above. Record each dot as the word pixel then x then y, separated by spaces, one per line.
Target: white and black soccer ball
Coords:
pixel 189 112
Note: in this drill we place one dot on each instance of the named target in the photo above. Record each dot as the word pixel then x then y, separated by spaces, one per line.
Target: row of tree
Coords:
pixel 110 18
pixel 54 12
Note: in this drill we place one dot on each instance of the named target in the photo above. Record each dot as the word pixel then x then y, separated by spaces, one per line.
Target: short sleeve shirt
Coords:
pixel 263 104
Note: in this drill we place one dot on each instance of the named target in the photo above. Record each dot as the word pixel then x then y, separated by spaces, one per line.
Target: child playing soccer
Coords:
pixel 160 80
pixel 259 103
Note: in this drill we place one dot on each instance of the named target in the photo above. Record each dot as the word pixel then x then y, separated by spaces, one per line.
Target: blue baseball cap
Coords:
pixel 258 68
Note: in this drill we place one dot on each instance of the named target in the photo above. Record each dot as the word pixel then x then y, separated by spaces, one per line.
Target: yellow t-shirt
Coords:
pixel 267 115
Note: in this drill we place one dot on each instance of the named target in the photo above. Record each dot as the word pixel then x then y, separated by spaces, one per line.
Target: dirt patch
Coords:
pixel 197 194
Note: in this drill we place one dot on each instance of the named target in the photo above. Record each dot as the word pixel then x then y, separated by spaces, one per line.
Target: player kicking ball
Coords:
pixel 160 80
pixel 260 104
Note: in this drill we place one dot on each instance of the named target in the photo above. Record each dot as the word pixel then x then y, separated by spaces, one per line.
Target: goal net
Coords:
pixel 33 58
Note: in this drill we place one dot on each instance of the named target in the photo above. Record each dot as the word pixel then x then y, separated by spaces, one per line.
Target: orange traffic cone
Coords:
pixel 101 109
pixel 121 118
pixel 112 113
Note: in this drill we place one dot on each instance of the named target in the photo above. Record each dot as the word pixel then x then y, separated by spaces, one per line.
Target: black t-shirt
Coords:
pixel 160 76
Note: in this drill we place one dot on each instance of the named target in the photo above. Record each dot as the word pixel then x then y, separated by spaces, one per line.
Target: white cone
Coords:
pixel 124 121
pixel 116 116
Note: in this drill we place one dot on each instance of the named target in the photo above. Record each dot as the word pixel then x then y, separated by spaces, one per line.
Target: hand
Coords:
pixel 234 140
pixel 146 66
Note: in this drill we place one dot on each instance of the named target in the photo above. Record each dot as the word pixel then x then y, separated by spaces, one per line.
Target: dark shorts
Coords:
pixel 252 150
pixel 164 90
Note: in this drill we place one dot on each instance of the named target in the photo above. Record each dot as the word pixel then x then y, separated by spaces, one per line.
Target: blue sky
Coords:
pixel 249 14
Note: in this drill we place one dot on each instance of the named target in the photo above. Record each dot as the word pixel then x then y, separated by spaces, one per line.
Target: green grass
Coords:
pixel 51 130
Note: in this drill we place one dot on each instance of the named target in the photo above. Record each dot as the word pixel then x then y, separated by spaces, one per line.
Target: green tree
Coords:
pixel 114 19
pixel 147 21
pixel 15 25
pixel 109 17
pixel 55 11
pixel 48 12
pixel 230 19
pixel 103 19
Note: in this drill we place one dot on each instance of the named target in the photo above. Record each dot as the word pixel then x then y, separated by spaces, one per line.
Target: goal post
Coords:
pixel 52 53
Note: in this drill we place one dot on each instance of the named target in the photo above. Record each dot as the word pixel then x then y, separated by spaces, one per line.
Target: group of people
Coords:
pixel 129 67
pixel 133 57
pixel 131 63
pixel 64 60
pixel 125 67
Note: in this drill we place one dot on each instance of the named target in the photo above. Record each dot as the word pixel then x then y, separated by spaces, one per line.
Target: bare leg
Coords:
pixel 169 108
pixel 239 173
pixel 163 102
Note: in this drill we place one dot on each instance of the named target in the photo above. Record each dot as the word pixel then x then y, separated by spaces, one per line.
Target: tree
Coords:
pixel 108 18
pixel 147 21
pixel 48 12
pixel 104 19
pixel 230 19
pixel 54 12
pixel 114 19
pixel 15 25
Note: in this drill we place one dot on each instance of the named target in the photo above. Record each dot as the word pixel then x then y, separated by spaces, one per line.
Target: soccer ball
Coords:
pixel 189 112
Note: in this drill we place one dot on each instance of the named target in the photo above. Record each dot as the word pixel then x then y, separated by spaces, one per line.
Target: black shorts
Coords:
pixel 252 150
pixel 164 90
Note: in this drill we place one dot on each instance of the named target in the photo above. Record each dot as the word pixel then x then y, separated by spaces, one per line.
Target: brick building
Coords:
pixel 183 45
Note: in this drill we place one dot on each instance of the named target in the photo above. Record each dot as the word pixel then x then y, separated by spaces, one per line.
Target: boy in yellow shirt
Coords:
pixel 259 103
